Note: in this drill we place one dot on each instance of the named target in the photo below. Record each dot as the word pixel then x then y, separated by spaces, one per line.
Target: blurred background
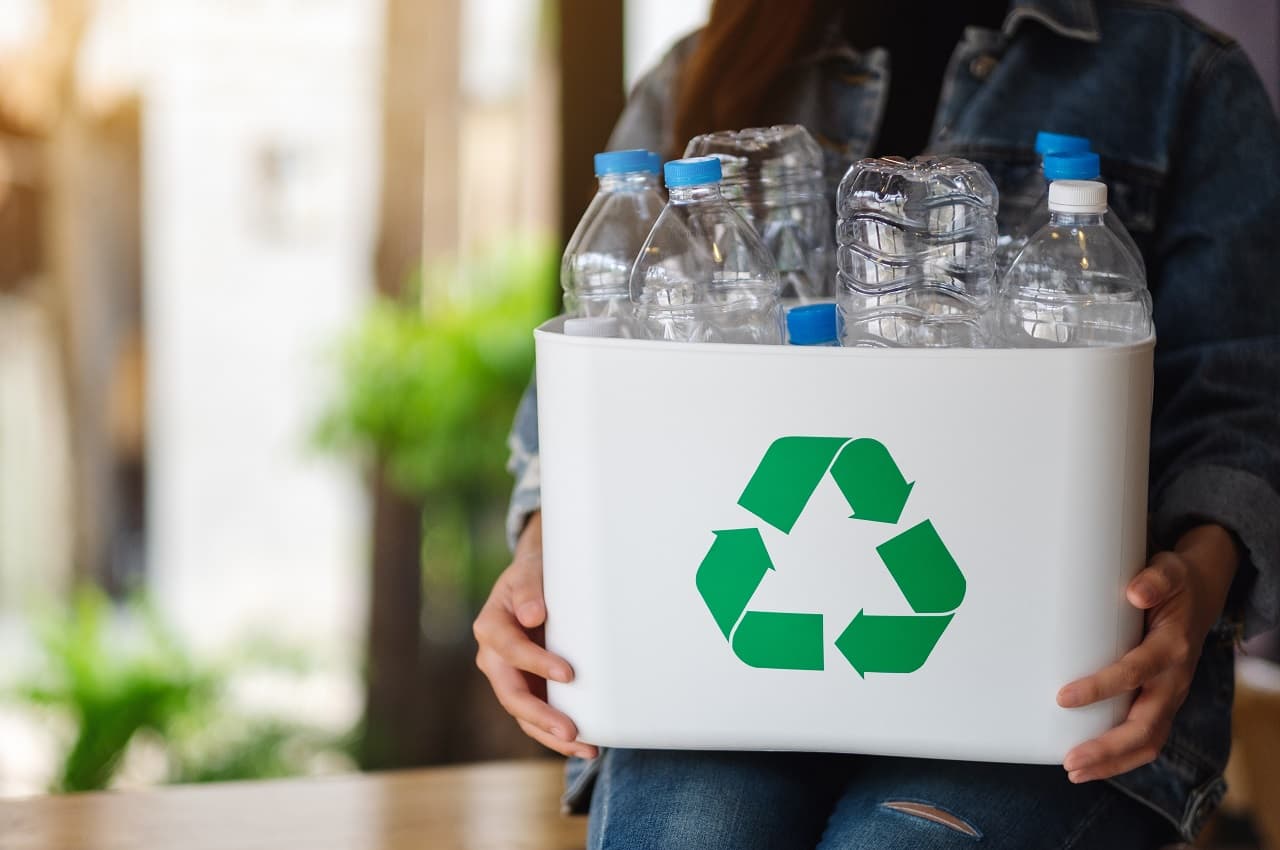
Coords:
pixel 267 274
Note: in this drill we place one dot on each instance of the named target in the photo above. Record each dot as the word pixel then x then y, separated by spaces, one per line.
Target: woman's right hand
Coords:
pixel 509 631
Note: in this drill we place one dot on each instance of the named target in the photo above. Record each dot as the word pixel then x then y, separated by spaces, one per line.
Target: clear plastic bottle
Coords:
pixel 1084 165
pixel 1075 284
pixel 774 177
pixel 1014 239
pixel 595 271
pixel 703 274
pixel 813 324
pixel 916 252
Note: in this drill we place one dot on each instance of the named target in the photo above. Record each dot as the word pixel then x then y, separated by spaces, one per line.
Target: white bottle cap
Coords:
pixel 1077 196
pixel 598 326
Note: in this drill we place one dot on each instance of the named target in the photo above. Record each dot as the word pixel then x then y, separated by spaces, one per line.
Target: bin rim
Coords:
pixel 551 332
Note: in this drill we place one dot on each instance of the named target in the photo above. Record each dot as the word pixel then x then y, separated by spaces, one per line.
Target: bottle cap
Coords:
pixel 693 172
pixel 1047 142
pixel 624 162
pixel 812 324
pixel 1072 166
pixel 597 326
pixel 655 162
pixel 1077 196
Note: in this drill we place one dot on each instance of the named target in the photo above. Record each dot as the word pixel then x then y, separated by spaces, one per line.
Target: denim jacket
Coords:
pixel 1190 151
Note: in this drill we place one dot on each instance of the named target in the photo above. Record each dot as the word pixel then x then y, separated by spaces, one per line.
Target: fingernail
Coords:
pixel 1078 776
pixel 1072 764
pixel 560 733
pixel 560 674
pixel 529 611
pixel 585 753
pixel 1068 697
pixel 1142 594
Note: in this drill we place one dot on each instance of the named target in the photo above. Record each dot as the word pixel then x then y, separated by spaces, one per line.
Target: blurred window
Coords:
pixel 652 26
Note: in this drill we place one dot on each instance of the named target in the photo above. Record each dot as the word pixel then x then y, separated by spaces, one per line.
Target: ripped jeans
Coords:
pixel 673 800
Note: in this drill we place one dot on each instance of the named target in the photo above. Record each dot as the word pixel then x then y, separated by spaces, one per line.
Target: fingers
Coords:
pixel 1161 666
pixel 1146 661
pixel 513 692
pixel 525 591
pixel 500 636
pixel 585 751
pixel 523 654
pixel 1161 580
pixel 1135 742
pixel 513 660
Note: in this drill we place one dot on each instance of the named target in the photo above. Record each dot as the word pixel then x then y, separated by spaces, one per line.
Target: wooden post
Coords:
pixel 87 262
pixel 418 221
pixel 591 96
pixel 420 108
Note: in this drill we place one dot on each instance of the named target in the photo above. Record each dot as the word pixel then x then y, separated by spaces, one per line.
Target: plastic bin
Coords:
pixel 920 582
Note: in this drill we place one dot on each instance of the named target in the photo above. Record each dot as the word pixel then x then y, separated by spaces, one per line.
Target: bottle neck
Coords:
pixel 631 181
pixel 692 194
pixel 1075 219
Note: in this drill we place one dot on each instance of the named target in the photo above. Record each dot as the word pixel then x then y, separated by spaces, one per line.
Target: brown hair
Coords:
pixel 728 80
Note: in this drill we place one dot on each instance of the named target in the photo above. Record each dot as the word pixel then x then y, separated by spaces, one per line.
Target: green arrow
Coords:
pixel 731 571
pixel 890 644
pixel 788 474
pixel 926 573
pixel 871 481
pixel 779 640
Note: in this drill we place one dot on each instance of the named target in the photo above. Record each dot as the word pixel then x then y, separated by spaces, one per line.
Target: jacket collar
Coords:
pixel 1076 19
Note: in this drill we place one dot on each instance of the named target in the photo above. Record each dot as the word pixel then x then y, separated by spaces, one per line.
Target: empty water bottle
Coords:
pixel 703 275
pixel 596 269
pixel 1014 233
pixel 916 244
pixel 774 177
pixel 1075 284
pixel 1084 165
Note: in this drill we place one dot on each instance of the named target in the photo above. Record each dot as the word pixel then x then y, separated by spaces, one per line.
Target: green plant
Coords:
pixel 114 683
pixel 263 748
pixel 428 387
pixel 118 674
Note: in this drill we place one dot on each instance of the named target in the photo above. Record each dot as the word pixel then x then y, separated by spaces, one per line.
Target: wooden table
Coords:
pixel 504 806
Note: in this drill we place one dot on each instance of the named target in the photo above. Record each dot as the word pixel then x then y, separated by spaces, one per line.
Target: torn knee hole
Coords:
pixel 933 814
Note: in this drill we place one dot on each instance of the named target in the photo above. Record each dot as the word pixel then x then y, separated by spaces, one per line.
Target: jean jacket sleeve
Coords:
pixel 1215 438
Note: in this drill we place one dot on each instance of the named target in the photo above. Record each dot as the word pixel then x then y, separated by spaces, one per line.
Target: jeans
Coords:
pixel 673 800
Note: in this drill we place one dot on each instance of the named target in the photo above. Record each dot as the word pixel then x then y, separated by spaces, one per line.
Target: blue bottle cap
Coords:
pixel 1072 166
pixel 1047 142
pixel 693 172
pixel 623 162
pixel 812 324
pixel 655 162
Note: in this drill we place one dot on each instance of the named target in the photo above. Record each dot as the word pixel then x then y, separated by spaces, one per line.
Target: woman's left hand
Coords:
pixel 1183 593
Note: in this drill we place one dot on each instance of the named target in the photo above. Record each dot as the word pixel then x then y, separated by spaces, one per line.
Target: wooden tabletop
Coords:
pixel 504 806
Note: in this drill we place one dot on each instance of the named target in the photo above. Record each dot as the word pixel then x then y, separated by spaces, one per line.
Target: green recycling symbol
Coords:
pixel 917 559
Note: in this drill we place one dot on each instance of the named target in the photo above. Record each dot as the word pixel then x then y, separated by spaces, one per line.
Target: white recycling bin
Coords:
pixel 887 551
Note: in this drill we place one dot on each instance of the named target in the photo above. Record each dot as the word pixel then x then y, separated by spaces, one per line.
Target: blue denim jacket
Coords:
pixel 1190 149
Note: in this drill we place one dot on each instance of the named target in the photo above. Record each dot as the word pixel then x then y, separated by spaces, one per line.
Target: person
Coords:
pixel 1191 150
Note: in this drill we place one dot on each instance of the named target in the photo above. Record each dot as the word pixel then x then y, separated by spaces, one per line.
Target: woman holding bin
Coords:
pixel 1191 150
